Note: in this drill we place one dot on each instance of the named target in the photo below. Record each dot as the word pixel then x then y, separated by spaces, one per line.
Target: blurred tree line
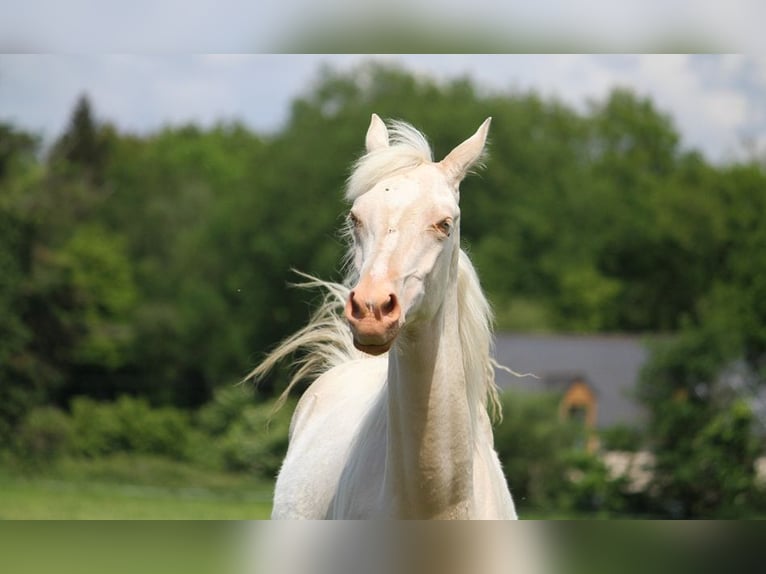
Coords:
pixel 158 265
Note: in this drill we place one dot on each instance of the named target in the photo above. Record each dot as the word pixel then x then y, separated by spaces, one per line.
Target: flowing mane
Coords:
pixel 326 341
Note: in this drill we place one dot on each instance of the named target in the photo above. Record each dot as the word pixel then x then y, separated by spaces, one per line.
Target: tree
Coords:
pixel 703 430
pixel 60 282
pixel 159 264
pixel 22 383
pixel 84 144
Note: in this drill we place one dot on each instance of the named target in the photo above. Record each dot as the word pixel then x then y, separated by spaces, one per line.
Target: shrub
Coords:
pixel 231 433
pixel 130 425
pixel 246 436
pixel 257 441
pixel 227 406
pixel 162 431
pixel 44 435
pixel 621 437
pixel 532 443
pixel 96 430
pixel 711 472
pixel 589 487
pixel 543 458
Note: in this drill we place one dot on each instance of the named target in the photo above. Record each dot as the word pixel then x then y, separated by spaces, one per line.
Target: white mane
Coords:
pixel 326 341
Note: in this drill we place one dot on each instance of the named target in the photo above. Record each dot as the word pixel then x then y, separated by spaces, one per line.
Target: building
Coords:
pixel 596 375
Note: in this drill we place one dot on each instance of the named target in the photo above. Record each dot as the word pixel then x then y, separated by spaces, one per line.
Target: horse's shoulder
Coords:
pixel 356 377
pixel 338 389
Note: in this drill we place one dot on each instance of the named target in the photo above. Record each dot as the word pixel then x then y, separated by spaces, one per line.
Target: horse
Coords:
pixel 397 423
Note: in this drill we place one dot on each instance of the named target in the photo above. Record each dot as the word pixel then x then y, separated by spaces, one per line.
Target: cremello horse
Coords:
pixel 397 424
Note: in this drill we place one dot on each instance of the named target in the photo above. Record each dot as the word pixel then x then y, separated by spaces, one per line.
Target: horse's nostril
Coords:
pixel 356 309
pixel 390 305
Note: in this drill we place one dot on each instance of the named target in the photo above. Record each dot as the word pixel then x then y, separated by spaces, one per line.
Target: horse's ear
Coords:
pixel 377 134
pixel 459 160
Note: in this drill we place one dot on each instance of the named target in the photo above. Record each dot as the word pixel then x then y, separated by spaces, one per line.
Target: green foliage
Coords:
pixel 587 298
pixel 727 448
pixel 530 442
pixel 704 460
pixel 22 385
pixel 702 431
pixel 157 265
pixel 231 433
pixel 129 425
pixel 44 436
pixel 100 278
pixel 224 410
pixel 84 146
pixel 545 462
pixel 589 487
pixel 256 443
pixel 250 437
pixel 621 437
pixel 130 258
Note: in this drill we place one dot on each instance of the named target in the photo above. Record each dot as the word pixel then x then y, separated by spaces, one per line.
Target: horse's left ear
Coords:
pixel 459 160
pixel 377 134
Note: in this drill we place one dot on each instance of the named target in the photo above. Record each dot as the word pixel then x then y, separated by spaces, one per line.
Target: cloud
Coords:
pixel 708 111
pixel 714 100
pixel 225 26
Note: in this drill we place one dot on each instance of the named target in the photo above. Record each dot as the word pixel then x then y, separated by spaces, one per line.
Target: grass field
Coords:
pixel 129 488
pixel 144 488
pixel 116 547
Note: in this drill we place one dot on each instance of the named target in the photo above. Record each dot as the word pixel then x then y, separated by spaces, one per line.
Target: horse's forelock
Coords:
pixel 408 148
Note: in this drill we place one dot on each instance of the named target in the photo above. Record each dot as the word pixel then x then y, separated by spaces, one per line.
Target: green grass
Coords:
pixel 131 488
pixel 122 547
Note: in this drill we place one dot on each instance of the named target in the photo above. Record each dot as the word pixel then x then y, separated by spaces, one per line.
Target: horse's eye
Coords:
pixel 354 221
pixel 445 226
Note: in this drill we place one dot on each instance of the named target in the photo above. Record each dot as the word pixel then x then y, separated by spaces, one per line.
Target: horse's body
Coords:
pixel 407 433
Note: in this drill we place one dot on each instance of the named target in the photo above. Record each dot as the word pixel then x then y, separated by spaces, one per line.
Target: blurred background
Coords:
pixel 299 26
pixel 152 208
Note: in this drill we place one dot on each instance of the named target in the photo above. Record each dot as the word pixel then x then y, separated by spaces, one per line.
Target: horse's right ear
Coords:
pixel 377 134
pixel 459 160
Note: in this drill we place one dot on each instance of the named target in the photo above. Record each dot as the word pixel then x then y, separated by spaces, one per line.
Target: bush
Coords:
pixel 97 431
pixel 621 437
pixel 231 433
pixel 544 461
pixel 247 436
pixel 257 441
pixel 589 487
pixel 530 442
pixel 130 425
pixel 709 472
pixel 44 435
pixel 227 406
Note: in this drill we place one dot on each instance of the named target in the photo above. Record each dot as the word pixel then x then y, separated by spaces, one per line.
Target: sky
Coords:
pixel 717 102
pixel 224 26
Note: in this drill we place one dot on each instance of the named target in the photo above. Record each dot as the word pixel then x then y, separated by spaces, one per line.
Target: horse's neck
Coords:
pixel 429 451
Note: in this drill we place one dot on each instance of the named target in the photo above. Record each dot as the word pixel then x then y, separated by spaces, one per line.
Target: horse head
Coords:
pixel 406 239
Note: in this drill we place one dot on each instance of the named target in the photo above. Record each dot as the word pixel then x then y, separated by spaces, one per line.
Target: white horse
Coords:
pixel 397 424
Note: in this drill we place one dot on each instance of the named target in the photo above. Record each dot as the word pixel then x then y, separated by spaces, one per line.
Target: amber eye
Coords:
pixel 354 221
pixel 445 226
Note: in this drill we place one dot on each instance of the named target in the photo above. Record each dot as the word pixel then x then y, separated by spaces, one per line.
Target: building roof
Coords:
pixel 610 364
